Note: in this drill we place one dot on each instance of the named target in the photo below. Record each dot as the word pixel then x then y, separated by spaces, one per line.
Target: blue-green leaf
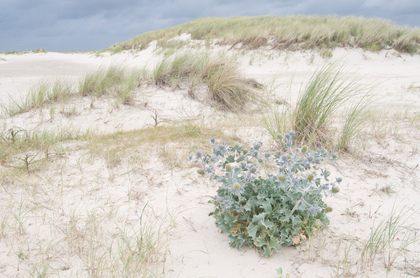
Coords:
pixel 230 158
pixel 266 205
pixel 252 230
pixel 267 224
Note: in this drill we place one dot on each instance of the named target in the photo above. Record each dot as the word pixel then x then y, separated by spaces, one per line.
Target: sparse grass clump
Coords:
pixel 39 50
pixel 289 32
pixel 100 82
pixel 125 89
pixel 226 86
pixel 176 134
pixel 39 97
pixel 326 92
pixel 324 95
pixel 220 73
pixel 114 81
pixel 25 146
pixel 391 238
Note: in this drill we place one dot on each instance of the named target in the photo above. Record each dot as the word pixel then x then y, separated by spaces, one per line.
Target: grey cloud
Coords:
pixel 95 24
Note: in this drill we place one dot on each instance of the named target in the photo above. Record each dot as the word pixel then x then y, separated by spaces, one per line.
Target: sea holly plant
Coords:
pixel 268 210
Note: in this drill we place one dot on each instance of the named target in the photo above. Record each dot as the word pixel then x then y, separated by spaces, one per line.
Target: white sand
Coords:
pixel 78 185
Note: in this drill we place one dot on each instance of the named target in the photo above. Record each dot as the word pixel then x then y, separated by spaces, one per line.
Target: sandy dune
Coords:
pixel 77 186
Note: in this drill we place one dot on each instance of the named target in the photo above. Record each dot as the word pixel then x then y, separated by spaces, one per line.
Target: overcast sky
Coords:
pixel 82 25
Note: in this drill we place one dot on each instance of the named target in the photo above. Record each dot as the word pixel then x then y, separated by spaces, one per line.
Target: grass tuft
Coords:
pixel 39 97
pixel 114 81
pixel 226 86
pixel 100 82
pixel 354 120
pixel 326 92
pixel 391 238
pixel 125 89
pixel 220 73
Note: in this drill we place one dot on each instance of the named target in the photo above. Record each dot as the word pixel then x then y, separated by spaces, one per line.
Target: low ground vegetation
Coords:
pixel 280 208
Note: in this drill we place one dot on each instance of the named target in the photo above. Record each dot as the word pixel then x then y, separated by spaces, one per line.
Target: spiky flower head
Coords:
pixel 236 186
pixel 226 204
pixel 324 186
pixel 228 168
pixel 310 177
pixel 335 189
pixel 281 178
pixel 328 209
pixel 198 154
pixel 209 169
pixel 200 171
pixel 313 210
pixel 304 149
pixel 212 140
pixel 253 169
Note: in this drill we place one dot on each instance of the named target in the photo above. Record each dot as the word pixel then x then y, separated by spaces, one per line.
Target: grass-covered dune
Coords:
pixel 289 32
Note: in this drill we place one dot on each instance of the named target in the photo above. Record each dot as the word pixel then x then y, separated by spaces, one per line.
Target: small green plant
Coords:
pixel 12 136
pixel 350 212
pixel 156 120
pixel 28 160
pixel 325 53
pixel 267 211
pixel 346 266
pixel 280 273
pixel 388 189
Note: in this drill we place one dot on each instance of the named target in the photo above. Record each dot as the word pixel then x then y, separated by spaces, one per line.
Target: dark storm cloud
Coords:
pixel 64 25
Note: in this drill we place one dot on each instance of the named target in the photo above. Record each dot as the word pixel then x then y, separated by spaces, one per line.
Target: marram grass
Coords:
pixel 329 89
pixel 288 32
pixel 226 87
pixel 115 81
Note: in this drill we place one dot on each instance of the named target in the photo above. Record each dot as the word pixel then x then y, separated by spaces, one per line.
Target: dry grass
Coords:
pixel 220 73
pixel 38 97
pixel 115 146
pixel 289 32
pixel 113 81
